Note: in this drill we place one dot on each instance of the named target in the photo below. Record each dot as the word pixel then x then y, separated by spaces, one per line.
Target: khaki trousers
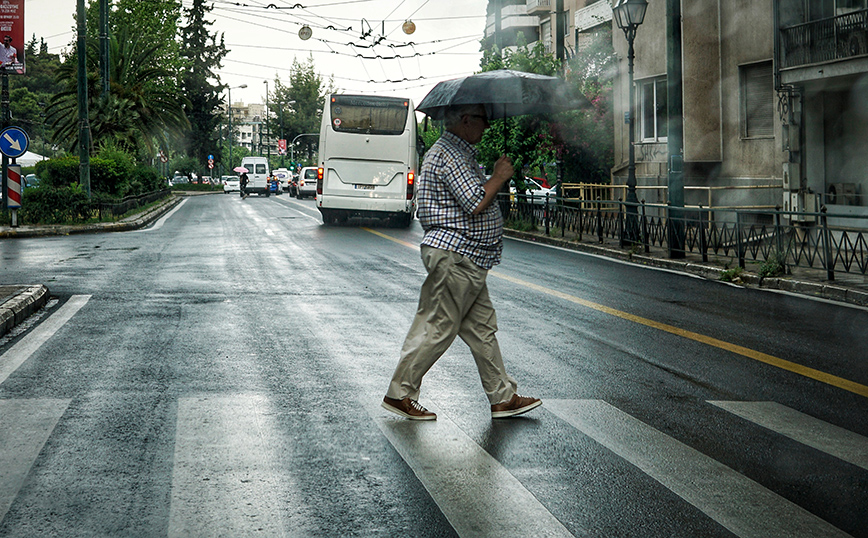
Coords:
pixel 453 302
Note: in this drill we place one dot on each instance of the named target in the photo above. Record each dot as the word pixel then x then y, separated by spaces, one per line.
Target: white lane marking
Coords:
pixel 159 224
pixel 224 481
pixel 268 231
pixel 25 426
pixel 20 352
pixel 291 204
pixel 474 491
pixel 833 440
pixel 738 503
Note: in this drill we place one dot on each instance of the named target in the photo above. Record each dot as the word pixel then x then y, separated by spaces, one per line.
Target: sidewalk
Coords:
pixel 846 288
pixel 19 301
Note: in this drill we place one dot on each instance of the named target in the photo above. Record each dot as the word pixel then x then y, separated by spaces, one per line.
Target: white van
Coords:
pixel 257 176
pixel 367 159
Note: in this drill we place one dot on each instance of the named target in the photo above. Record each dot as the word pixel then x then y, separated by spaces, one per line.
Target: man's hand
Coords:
pixel 503 171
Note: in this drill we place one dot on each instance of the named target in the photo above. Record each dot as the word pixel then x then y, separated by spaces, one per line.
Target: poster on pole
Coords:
pixel 12 36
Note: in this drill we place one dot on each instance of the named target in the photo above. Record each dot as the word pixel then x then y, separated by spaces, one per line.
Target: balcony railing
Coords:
pixel 535 7
pixel 826 40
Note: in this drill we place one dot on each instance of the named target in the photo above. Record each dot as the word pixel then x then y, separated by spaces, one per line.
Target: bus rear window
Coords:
pixel 369 115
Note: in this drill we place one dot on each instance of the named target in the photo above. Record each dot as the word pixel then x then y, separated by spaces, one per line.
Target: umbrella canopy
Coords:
pixel 505 93
pixel 240 170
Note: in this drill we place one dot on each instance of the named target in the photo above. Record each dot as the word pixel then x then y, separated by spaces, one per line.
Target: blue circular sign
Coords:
pixel 14 142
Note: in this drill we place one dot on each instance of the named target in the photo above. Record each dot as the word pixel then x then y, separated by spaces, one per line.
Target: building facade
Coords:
pixel 774 93
pixel 774 104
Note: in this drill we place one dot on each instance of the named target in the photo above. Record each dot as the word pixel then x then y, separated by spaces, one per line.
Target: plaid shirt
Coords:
pixel 450 188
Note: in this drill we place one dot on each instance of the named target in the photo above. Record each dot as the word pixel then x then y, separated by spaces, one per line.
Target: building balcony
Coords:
pixel 539 7
pixel 825 40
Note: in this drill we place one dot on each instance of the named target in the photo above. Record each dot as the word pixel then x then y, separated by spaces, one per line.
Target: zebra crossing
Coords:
pixel 226 481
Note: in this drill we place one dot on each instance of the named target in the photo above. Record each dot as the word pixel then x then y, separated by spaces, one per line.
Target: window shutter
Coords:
pixel 759 105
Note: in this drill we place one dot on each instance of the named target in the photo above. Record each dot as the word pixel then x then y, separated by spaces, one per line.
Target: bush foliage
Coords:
pixel 60 198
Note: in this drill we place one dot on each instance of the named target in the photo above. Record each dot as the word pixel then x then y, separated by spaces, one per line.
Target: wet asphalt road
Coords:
pixel 220 373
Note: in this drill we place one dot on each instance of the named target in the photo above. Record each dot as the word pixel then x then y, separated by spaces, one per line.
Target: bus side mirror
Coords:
pixel 420 146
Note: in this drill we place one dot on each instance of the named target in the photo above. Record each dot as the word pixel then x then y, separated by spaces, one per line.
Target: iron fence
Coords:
pixel 118 208
pixel 791 239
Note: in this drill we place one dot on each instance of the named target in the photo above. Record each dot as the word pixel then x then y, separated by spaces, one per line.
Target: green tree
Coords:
pixel 527 140
pixel 204 53
pixel 29 94
pixel 309 90
pixel 139 113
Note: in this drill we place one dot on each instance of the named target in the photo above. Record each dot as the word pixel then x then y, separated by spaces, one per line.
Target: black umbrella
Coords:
pixel 505 93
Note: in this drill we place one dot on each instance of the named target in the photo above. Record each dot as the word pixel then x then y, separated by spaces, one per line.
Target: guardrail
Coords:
pixel 791 239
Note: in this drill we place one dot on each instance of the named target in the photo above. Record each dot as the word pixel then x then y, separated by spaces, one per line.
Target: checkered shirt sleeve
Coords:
pixel 450 188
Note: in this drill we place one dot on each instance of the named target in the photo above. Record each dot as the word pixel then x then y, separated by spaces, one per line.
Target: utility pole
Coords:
pixel 675 132
pixel 83 122
pixel 104 46
pixel 560 29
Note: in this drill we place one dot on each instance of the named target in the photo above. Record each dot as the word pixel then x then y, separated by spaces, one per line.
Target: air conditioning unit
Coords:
pixel 792 177
pixel 842 194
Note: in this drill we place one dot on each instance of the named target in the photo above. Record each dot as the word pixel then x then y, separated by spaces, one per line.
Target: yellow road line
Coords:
pixel 817 375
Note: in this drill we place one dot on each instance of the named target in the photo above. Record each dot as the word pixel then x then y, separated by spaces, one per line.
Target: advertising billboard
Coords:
pixel 12 36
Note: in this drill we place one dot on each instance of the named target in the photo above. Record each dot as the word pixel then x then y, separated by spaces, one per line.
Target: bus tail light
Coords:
pixel 411 181
pixel 319 174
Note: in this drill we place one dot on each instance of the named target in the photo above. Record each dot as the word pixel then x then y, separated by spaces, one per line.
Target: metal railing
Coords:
pixel 792 239
pixel 825 40
pixel 118 208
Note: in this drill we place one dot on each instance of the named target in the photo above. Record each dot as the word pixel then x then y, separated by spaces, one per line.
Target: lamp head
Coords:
pixel 629 13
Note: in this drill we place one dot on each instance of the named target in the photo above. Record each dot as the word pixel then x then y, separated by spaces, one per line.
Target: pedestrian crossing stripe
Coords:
pixel 833 440
pixel 729 498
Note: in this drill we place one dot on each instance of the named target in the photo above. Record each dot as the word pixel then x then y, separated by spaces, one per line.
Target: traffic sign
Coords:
pixel 163 157
pixel 14 142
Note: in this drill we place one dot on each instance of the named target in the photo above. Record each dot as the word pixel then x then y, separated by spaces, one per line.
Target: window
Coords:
pixel 653 113
pixel 757 100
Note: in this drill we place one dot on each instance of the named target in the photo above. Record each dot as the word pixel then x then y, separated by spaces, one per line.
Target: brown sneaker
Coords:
pixel 516 406
pixel 408 408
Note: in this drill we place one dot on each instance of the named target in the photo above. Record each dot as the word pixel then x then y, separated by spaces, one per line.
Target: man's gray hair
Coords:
pixel 452 116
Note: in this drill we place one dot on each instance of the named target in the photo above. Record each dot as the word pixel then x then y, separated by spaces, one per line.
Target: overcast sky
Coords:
pixel 263 38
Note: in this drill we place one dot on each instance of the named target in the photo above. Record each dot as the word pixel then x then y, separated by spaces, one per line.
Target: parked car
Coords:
pixel 30 181
pixel 231 184
pixel 306 182
pixel 534 191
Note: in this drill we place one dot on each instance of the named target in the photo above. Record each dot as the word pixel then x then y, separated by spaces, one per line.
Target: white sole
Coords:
pixel 514 412
pixel 397 411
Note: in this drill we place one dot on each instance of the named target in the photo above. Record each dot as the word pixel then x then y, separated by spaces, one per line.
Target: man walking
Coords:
pixel 463 240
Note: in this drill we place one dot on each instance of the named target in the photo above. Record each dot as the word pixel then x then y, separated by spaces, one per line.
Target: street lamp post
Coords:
pixel 629 14
pixel 231 132
pixel 292 146
pixel 267 130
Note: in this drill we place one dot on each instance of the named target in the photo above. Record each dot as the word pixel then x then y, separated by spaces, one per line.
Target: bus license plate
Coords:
pixel 365 187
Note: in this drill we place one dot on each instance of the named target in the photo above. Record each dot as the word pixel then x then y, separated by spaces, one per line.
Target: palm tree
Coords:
pixel 143 105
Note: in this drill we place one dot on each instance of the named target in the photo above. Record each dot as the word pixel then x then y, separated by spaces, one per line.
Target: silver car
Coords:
pixel 306 182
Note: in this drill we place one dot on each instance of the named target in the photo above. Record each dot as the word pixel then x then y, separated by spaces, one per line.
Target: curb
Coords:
pixel 816 289
pixel 140 221
pixel 17 309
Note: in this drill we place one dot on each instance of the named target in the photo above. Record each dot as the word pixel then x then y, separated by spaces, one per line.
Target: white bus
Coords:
pixel 368 159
